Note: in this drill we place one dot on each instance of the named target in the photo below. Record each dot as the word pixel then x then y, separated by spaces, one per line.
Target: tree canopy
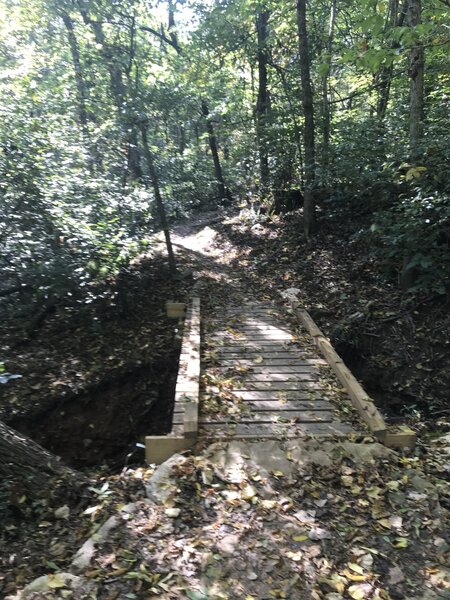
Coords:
pixel 347 101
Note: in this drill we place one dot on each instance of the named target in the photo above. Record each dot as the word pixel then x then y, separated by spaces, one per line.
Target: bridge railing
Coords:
pixel 187 395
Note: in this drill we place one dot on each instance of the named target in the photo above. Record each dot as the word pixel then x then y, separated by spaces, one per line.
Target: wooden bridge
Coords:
pixel 255 378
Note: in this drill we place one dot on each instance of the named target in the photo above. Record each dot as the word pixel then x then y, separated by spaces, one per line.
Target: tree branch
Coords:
pixel 171 41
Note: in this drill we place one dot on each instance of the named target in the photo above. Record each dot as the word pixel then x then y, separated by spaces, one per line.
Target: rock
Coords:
pixel 85 554
pixel 62 513
pixel 364 453
pixel 162 485
pixel 58 584
pixel 270 457
pixel 233 462
pixel 309 452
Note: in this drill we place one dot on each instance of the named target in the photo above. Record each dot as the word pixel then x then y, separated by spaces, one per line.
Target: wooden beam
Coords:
pixel 187 394
pixel 404 438
pixel 360 399
pixel 158 448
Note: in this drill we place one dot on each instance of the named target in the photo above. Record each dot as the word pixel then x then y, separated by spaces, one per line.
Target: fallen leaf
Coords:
pixel 357 592
pixel 56 581
pixel 299 538
pixel 355 567
pixel 400 542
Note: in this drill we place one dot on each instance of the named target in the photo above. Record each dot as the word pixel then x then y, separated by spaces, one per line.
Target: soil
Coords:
pixel 94 380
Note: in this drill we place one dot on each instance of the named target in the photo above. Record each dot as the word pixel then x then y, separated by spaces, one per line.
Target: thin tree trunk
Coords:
pixel 416 73
pixel 262 101
pixel 309 209
pixel 158 198
pixel 118 90
pixel 224 192
pixel 297 132
pixel 326 114
pixel 395 19
pixel 82 93
pixel 416 105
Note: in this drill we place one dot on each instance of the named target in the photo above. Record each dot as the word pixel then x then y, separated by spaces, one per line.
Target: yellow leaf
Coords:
pixel 259 359
pixel 300 538
pixel 385 523
pixel 356 568
pixel 248 492
pixel 352 576
pixel 400 542
pixel 56 581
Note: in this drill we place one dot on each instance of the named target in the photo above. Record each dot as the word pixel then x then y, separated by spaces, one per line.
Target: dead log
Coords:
pixel 29 469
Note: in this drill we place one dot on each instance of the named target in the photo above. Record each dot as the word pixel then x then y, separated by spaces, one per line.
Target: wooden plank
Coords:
pixel 159 448
pixel 288 405
pixel 253 337
pixel 279 385
pixel 276 430
pixel 279 405
pixel 406 438
pixel 251 353
pixel 254 328
pixel 226 342
pixel 360 400
pixel 246 395
pixel 276 370
pixel 289 361
pixel 266 350
pixel 270 417
pixel 280 378
pixel 187 394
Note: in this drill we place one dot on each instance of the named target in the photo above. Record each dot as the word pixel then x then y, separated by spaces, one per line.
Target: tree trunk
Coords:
pixel 326 116
pixel 118 90
pixel 82 95
pixel 395 19
pixel 297 133
pixel 262 101
pixel 416 103
pixel 158 198
pixel 416 71
pixel 27 467
pixel 309 208
pixel 224 192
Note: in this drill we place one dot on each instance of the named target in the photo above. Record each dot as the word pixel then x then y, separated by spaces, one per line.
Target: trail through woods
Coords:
pixel 262 520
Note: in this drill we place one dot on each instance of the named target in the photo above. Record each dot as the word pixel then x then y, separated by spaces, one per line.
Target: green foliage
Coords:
pixel 417 228
pixel 76 208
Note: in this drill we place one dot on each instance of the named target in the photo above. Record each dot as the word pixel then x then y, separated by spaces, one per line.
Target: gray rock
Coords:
pixel 162 485
pixel 85 554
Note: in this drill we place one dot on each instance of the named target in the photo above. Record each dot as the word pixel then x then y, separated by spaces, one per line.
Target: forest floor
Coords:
pixel 96 369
